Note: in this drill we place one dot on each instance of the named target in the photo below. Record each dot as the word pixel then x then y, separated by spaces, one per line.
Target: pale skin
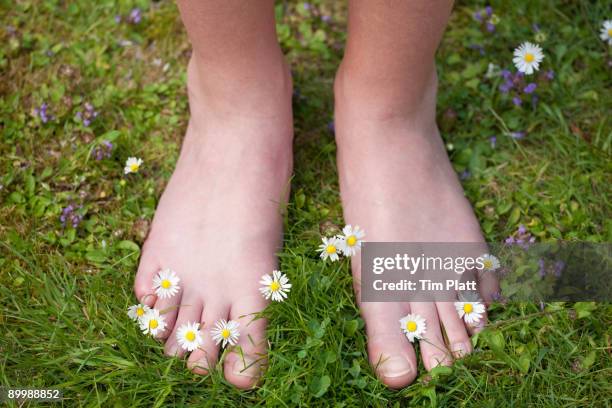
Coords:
pixel 219 222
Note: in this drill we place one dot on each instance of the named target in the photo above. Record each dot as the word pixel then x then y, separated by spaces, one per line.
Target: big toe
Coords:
pixel 390 353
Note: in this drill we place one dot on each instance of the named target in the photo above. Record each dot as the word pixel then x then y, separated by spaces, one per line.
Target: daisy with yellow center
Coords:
pixel 350 240
pixel 470 311
pixel 225 332
pixel 527 57
pixel 152 323
pixel 490 262
pixel 413 326
pixel 166 283
pixel 189 336
pixel 132 165
pixel 606 32
pixel 330 248
pixel 275 286
pixel 137 312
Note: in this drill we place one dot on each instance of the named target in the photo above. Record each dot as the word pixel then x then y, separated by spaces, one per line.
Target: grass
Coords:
pixel 64 291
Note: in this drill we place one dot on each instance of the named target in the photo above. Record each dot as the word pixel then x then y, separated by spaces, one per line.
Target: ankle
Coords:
pixel 380 99
pixel 257 91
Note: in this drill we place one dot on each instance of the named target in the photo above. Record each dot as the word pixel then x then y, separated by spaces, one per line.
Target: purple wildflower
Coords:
pixel 489 11
pixel 534 100
pixel 506 74
pixel 87 115
pixel 493 141
pixel 490 27
pixel 517 135
pixel 550 75
pixel 307 6
pixel 135 16
pixel 522 229
pixel 509 240
pixel 478 16
pixel 558 269
pixel 530 88
pixel 506 87
pixel 69 216
pixel 42 113
pixel 517 101
pixel 325 18
pixel 103 151
pixel 465 174
pixel 118 19
pixel 542 268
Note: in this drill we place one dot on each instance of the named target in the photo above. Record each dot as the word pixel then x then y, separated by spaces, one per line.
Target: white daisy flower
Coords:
pixel 136 312
pixel 606 32
pixel 527 57
pixel 226 332
pixel 350 240
pixel 189 336
pixel 275 286
pixel 165 283
pixel 329 248
pixel 470 311
pixel 132 165
pixel 413 326
pixel 152 322
pixel 490 262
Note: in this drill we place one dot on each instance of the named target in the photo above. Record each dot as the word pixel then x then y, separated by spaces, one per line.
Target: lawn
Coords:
pixel 76 75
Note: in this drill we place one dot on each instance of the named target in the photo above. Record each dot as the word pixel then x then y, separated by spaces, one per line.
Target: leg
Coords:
pixel 218 223
pixel 395 178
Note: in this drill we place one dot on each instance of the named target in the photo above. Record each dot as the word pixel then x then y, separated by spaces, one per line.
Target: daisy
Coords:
pixel 136 312
pixel 165 283
pixel 351 240
pixel 226 332
pixel 527 57
pixel 329 248
pixel 275 286
pixel 152 322
pixel 490 262
pixel 189 336
pixel 606 32
pixel 132 165
pixel 470 311
pixel 413 326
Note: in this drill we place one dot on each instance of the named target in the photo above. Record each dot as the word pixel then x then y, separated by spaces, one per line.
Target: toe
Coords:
pixel 143 283
pixel 459 341
pixel 391 354
pixel 190 311
pixel 433 349
pixel 245 364
pixel 168 307
pixel 204 359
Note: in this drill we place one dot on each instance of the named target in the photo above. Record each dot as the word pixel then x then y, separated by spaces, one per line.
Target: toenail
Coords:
pixel 460 350
pixel 395 367
pixel 246 367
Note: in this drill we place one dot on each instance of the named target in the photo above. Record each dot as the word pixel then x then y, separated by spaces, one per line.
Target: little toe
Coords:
pixel 204 359
pixel 391 355
pixel 459 341
pixel 433 349
pixel 245 364
pixel 190 311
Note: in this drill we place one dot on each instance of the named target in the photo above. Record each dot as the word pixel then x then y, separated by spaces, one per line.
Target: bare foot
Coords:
pixel 398 185
pixel 218 223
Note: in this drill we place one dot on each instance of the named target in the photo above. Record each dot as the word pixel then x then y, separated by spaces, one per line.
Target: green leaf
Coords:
pixel 128 245
pixel 441 371
pixel 319 385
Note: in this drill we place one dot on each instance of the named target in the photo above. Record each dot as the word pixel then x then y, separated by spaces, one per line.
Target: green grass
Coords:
pixel 64 292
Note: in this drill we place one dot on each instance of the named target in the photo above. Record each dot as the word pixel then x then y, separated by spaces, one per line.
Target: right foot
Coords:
pixel 218 223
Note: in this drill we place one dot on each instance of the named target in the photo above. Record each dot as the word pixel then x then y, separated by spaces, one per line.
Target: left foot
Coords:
pixel 398 184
